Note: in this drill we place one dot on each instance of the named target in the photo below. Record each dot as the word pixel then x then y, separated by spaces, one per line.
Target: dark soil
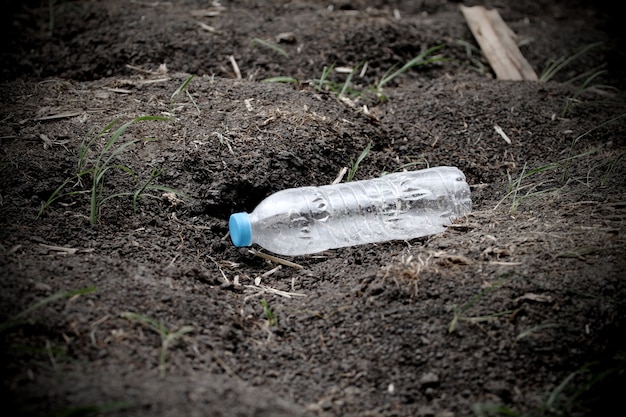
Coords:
pixel 518 309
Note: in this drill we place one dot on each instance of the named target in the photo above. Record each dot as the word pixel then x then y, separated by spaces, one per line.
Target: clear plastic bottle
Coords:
pixel 401 206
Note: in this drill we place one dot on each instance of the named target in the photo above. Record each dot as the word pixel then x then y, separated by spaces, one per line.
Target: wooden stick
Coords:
pixel 497 41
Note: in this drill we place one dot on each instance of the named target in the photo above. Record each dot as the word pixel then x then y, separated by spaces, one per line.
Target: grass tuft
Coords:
pixel 526 185
pixel 345 89
pixel 459 312
pixel 168 337
pixel 270 315
pixel 355 164
pixel 95 170
pixel 557 65
pixel 423 58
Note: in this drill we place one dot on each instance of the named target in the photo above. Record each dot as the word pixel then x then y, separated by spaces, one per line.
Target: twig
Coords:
pixel 275 259
pixel 262 289
pixel 340 176
pixel 235 66
pixel 500 132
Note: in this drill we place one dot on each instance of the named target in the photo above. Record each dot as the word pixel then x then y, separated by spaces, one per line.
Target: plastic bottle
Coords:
pixel 402 206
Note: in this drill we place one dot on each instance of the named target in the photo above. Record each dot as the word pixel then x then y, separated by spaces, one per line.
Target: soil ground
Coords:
pixel 516 309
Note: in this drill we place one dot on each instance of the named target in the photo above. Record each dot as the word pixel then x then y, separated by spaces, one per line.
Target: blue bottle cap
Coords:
pixel 240 229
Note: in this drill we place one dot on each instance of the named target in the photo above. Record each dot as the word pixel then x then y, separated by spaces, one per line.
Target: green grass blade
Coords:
pixel 280 79
pixel 84 148
pixel 125 169
pixel 116 195
pixel 99 167
pixel 153 175
pixel 274 47
pixel 346 84
pixel 182 87
pixel 108 127
pixel 121 148
pixel 557 392
pixel 116 135
pixel 534 329
pixel 120 131
pixel 56 194
pixel 355 165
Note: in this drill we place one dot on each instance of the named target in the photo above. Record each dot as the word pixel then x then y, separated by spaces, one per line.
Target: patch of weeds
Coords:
pixel 148 185
pixel 341 90
pixel 270 45
pixel 460 312
pixel 526 186
pixel 23 316
pixel 168 337
pixel 566 163
pixel 556 66
pixel 345 89
pixel 321 82
pixel 354 165
pixel 518 192
pixel 424 58
pixel 587 85
pixel 95 170
pixel 588 77
pixel 272 318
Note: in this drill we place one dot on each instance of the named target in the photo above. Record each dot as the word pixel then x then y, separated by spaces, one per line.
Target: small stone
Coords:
pixel 286 37
pixel 429 379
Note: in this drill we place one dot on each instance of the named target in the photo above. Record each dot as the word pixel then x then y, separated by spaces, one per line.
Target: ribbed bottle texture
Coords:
pixel 402 206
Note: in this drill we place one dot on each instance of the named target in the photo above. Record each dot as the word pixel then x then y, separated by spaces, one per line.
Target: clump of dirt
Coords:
pixel 516 308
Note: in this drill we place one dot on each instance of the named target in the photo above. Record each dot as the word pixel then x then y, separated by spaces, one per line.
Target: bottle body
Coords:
pixel 398 206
